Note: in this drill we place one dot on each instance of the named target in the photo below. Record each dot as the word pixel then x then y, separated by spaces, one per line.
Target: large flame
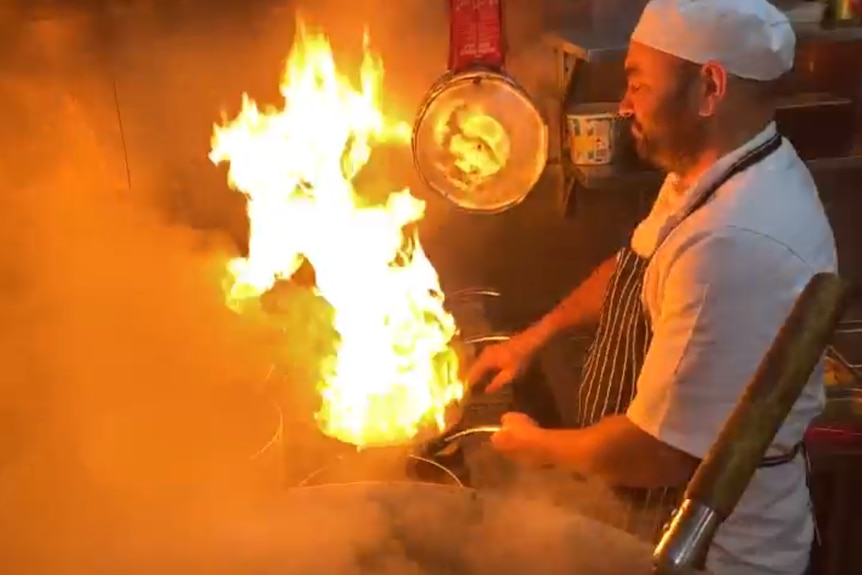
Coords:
pixel 394 373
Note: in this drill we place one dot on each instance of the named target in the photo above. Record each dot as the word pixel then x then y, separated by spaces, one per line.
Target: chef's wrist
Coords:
pixel 541 332
pixel 539 443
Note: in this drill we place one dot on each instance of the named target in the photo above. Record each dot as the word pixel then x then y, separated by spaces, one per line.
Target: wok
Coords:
pixel 431 436
pixel 318 458
pixel 424 456
pixel 469 307
pixel 413 528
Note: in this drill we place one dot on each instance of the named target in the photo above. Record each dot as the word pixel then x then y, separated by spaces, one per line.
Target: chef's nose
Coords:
pixel 625 110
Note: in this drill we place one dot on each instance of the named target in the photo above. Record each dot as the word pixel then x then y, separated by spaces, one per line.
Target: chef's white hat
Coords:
pixel 751 38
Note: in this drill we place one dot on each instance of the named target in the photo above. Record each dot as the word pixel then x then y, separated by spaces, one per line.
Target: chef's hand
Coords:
pixel 508 359
pixel 518 438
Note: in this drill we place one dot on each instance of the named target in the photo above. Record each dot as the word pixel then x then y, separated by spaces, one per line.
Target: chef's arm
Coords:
pixel 580 308
pixel 618 452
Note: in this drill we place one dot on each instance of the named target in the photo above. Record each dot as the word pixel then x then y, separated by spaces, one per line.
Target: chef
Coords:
pixel 686 311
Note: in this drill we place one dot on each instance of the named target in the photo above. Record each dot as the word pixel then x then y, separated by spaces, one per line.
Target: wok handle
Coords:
pixel 489 429
pixel 442 442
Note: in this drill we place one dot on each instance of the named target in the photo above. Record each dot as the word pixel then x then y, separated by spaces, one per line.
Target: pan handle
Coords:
pixel 489 429
pixel 442 442
pixel 472 292
pixel 487 339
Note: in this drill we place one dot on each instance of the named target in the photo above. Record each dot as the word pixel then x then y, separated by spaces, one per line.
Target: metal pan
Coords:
pixel 480 141
pixel 432 438
pixel 430 444
pixel 334 461
pixel 418 458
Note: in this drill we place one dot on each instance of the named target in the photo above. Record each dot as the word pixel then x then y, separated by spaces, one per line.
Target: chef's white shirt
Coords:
pixel 718 288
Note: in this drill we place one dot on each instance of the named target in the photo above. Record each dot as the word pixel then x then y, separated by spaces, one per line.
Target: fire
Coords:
pixel 394 373
pixel 477 144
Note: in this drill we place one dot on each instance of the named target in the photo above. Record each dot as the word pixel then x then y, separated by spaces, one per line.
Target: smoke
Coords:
pixel 132 400
pixel 129 392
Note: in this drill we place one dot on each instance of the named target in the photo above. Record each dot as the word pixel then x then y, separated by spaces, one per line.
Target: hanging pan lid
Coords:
pixel 480 141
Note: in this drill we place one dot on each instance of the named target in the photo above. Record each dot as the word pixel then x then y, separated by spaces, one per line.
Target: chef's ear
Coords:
pixel 713 80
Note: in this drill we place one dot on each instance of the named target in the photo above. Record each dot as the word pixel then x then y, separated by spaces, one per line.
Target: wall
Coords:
pixel 170 73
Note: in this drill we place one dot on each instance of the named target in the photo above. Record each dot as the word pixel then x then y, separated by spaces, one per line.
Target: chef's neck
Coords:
pixel 728 134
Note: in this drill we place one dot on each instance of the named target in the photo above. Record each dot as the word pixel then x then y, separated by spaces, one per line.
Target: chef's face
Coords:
pixel 662 102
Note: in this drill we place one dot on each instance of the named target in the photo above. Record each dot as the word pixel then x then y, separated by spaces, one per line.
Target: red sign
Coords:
pixel 475 33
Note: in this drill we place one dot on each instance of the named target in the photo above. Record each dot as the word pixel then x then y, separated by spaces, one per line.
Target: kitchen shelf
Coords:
pixel 613 177
pixel 597 45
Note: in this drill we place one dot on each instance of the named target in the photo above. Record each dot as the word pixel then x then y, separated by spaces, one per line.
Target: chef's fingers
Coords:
pixel 503 378
pixel 481 367
pixel 500 440
pixel 512 418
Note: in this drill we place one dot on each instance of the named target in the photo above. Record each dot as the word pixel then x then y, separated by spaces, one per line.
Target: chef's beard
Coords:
pixel 675 137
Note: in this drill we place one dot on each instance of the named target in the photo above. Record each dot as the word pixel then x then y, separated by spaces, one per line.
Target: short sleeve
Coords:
pixel 724 296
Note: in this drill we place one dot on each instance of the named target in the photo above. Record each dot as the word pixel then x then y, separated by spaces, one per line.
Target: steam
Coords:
pixel 129 391
pixel 131 399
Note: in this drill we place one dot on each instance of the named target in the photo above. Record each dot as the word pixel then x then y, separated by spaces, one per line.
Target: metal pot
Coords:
pixel 479 140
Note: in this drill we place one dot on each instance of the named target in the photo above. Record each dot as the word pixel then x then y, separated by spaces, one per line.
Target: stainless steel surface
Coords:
pixel 493 166
pixel 686 539
pixel 590 44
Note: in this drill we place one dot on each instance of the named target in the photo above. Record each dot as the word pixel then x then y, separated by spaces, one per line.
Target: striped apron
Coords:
pixel 614 360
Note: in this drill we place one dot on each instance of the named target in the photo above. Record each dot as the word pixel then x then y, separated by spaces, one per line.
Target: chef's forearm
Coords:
pixel 581 307
pixel 617 452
